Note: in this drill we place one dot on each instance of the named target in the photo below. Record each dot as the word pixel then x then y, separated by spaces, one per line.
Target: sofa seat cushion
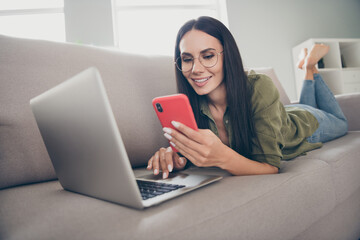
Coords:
pixel 287 204
pixel 341 223
pixel 343 155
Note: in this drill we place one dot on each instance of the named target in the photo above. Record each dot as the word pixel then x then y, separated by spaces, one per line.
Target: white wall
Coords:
pixel 89 22
pixel 267 30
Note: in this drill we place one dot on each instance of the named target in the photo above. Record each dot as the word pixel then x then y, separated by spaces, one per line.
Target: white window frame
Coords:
pixel 31 11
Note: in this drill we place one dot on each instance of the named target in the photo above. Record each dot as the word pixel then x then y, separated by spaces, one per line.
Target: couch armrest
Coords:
pixel 350 104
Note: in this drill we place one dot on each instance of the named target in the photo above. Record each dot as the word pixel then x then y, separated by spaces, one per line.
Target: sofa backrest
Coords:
pixel 30 67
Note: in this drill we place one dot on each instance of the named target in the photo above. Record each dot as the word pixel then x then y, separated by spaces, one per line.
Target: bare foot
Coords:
pixel 317 52
pixel 302 57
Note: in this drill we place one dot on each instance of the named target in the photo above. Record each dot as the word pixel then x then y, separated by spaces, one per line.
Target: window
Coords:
pixel 150 26
pixel 41 19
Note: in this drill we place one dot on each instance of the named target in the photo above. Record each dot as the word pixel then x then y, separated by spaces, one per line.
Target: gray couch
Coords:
pixel 316 196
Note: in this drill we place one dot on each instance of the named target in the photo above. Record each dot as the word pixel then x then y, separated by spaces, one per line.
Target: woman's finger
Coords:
pixel 174 136
pixel 155 163
pixel 180 162
pixel 169 159
pixel 186 152
pixel 149 166
pixel 163 164
pixel 187 131
pixel 186 147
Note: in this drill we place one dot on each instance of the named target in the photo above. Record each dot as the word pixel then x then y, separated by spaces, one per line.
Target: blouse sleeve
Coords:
pixel 268 117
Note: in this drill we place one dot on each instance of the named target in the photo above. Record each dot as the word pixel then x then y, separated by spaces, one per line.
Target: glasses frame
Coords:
pixel 217 59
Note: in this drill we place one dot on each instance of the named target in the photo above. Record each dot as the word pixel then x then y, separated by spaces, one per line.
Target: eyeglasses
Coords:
pixel 208 58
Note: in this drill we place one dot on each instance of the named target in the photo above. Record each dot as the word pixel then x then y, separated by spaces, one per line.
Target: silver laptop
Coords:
pixel 82 138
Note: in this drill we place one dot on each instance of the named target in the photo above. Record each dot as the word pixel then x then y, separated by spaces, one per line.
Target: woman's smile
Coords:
pixel 201 81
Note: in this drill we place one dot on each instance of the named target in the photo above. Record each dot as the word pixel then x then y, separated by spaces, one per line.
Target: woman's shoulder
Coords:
pixel 258 79
pixel 261 84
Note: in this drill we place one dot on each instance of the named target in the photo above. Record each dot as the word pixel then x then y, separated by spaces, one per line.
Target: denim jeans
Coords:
pixel 317 98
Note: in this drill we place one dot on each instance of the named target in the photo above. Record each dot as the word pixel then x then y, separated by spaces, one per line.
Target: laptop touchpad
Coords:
pixel 159 176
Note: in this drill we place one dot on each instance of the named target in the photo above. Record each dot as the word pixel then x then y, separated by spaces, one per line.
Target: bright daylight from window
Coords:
pixel 140 26
pixel 150 27
pixel 39 19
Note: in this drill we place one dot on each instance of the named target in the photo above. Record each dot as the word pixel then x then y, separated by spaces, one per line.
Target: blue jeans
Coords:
pixel 317 98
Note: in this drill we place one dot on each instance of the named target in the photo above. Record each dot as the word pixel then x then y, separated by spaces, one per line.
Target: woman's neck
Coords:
pixel 217 98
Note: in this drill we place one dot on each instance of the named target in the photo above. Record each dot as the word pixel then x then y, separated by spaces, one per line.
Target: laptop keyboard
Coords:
pixel 152 189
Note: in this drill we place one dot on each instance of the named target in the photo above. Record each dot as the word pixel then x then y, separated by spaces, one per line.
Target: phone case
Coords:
pixel 174 108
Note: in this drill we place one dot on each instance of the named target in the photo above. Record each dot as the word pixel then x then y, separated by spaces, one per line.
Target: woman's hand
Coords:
pixel 203 148
pixel 166 160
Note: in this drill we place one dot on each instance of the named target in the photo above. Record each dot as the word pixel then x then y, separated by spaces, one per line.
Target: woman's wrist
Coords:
pixel 227 156
pixel 237 164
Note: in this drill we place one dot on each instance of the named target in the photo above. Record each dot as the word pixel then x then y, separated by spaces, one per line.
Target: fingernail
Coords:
pixel 175 124
pixel 181 161
pixel 156 171
pixel 167 130
pixel 164 174
pixel 170 168
pixel 167 136
pixel 172 144
pixel 169 149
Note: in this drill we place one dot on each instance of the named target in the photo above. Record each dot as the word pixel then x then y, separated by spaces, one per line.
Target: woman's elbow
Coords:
pixel 270 169
pixel 275 170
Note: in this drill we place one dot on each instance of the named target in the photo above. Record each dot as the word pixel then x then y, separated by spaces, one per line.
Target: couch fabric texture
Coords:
pixel 315 196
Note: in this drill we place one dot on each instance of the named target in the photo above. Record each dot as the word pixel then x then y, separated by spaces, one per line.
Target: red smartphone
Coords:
pixel 174 108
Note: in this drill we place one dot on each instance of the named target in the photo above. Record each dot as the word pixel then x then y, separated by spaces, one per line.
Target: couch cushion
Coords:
pixel 276 206
pixel 343 155
pixel 341 223
pixel 30 67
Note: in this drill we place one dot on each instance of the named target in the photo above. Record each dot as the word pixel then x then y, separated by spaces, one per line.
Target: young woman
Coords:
pixel 243 127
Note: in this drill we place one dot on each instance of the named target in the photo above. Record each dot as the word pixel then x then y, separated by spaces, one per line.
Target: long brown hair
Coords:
pixel 236 82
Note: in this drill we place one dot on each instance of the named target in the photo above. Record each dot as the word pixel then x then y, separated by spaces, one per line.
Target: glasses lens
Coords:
pixel 209 58
pixel 185 63
pixel 178 63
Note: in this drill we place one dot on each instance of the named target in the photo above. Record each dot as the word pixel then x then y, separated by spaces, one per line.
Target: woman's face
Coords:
pixel 201 46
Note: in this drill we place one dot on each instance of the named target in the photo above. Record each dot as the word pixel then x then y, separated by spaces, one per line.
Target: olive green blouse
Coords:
pixel 282 131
